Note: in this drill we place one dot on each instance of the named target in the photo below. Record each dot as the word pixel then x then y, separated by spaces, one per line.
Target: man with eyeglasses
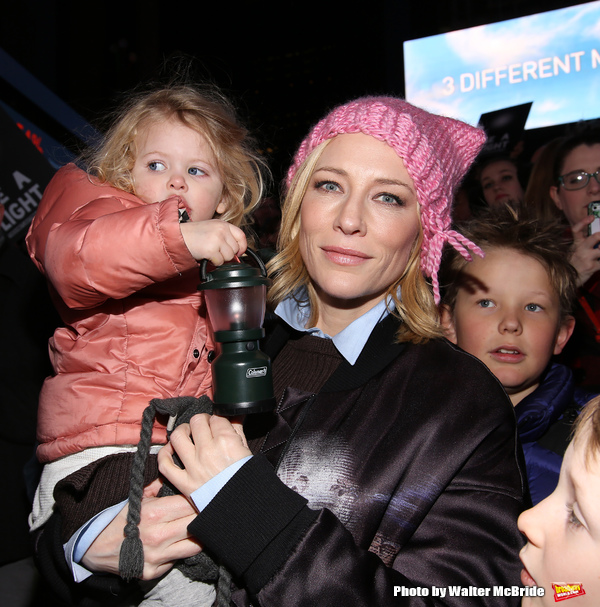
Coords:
pixel 577 184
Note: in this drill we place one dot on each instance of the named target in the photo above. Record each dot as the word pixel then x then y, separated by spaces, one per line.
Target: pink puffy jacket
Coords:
pixel 124 284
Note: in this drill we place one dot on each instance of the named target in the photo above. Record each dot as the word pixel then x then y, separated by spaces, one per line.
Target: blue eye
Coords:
pixel 532 307
pixel 156 166
pixel 195 171
pixel 328 186
pixel 390 199
pixel 485 303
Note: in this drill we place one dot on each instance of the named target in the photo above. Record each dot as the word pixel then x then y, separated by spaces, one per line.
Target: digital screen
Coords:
pixel 551 60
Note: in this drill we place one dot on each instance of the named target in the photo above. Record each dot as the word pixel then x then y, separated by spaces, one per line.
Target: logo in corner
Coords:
pixel 562 592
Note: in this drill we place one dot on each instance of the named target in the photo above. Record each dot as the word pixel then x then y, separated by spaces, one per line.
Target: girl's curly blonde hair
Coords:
pixel 206 111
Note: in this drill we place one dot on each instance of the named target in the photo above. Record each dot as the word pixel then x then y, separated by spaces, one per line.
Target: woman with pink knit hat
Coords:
pixel 388 474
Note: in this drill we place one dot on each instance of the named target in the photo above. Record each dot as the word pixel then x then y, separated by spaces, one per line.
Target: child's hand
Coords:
pixel 205 446
pixel 585 258
pixel 214 239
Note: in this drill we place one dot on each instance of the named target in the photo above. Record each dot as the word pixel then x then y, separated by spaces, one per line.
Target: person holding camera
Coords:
pixel 577 185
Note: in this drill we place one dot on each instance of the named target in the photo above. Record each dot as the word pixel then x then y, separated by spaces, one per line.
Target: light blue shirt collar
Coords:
pixel 349 342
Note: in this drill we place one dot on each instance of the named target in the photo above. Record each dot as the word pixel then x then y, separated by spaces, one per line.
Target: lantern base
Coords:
pixel 242 380
pixel 233 409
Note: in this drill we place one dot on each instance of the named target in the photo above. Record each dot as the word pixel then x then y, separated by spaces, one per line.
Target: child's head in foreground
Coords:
pixel 563 531
pixel 189 127
pixel 511 309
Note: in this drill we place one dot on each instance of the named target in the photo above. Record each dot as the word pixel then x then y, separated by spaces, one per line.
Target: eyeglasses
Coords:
pixel 576 180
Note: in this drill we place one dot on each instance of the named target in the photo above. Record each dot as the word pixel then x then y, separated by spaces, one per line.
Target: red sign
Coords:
pixel 562 592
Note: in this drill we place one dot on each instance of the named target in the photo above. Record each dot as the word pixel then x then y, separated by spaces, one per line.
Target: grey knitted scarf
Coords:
pixel 131 561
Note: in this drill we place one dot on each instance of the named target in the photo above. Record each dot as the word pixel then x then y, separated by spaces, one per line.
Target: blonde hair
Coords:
pixel 416 308
pixel 587 426
pixel 206 111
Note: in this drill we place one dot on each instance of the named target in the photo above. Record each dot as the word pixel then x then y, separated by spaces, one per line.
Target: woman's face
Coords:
pixel 358 222
pixel 500 183
pixel 573 203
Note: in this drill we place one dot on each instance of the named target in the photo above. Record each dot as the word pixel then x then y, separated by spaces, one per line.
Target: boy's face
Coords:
pixel 563 533
pixel 508 315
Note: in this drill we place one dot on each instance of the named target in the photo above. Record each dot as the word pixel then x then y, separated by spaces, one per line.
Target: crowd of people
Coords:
pixel 429 370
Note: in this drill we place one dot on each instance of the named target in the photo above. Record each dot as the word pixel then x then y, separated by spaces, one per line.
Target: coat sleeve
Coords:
pixel 96 243
pixel 79 497
pixel 284 553
pixel 95 591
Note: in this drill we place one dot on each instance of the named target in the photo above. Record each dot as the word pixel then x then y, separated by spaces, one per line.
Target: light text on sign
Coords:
pixel 516 73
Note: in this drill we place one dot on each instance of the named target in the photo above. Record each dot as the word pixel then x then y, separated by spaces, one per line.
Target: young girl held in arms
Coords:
pixel 170 185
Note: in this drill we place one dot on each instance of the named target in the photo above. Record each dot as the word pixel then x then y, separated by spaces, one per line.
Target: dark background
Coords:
pixel 283 63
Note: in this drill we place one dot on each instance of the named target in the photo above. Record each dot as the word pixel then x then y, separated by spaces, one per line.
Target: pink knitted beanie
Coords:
pixel 436 151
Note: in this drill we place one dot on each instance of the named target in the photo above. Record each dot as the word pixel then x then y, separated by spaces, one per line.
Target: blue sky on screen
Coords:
pixel 551 59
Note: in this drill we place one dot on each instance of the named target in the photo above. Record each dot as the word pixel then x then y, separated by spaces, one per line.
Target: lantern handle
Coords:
pixel 252 253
